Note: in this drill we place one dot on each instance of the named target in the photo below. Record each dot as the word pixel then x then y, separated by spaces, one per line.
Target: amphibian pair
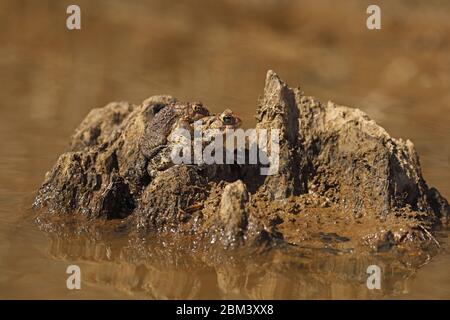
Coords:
pixel 161 132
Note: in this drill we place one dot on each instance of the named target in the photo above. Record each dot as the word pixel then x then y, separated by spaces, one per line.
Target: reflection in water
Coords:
pixel 166 271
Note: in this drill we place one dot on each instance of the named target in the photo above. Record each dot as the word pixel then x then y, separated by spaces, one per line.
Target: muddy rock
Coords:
pixel 99 124
pixel 233 212
pixel 103 155
pixel 339 173
pixel 277 110
pixel 355 163
pixel 86 183
pixel 172 199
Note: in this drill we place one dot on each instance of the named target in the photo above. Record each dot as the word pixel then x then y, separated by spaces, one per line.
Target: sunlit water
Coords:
pixel 217 52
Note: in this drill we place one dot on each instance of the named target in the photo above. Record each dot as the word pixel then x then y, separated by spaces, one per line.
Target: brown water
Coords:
pixel 216 52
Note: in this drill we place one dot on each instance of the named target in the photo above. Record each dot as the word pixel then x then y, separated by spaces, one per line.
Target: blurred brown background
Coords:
pixel 217 52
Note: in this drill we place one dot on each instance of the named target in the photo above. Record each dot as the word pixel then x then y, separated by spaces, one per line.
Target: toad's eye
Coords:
pixel 228 119
pixel 199 109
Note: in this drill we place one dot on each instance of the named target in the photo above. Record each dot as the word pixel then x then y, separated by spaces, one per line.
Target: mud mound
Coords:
pixel 342 182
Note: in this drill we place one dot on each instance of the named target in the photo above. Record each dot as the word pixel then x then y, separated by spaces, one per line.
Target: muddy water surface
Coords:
pixel 217 52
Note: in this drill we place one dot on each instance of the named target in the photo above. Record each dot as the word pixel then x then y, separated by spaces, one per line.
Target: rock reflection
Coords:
pixel 167 270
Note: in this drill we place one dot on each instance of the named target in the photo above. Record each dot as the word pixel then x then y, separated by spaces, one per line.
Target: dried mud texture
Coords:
pixel 343 183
